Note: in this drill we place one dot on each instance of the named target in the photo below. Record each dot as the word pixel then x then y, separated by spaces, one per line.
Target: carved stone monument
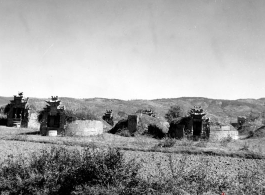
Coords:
pixel 200 124
pixel 18 111
pixel 53 116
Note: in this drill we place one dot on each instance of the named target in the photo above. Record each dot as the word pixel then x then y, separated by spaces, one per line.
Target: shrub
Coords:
pixel 40 116
pixel 201 144
pixel 185 142
pixel 7 108
pixel 173 113
pixel 125 133
pixel 79 115
pixel 61 171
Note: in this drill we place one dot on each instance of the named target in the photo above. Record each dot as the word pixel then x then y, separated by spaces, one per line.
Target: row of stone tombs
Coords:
pixel 53 117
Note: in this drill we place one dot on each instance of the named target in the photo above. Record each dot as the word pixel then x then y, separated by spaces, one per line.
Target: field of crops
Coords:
pixel 161 165
pixel 157 165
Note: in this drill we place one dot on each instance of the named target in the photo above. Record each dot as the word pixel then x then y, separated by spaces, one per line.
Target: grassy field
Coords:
pixel 226 159
pixel 233 148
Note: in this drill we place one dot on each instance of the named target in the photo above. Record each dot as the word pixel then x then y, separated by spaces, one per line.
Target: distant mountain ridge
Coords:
pixel 220 110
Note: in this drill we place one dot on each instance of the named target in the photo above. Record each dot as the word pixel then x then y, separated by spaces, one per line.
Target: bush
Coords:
pixel 7 108
pixel 174 112
pixel 79 115
pixel 185 142
pixel 125 133
pixel 61 171
pixel 40 116
pixel 201 144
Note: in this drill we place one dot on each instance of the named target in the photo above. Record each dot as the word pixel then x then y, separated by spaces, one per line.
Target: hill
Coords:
pixel 4 100
pixel 222 111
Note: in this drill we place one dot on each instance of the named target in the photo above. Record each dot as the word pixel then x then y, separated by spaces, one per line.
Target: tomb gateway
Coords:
pixel 18 111
pixel 53 117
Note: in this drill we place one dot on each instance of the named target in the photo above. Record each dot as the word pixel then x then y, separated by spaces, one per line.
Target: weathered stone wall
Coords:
pixel 84 128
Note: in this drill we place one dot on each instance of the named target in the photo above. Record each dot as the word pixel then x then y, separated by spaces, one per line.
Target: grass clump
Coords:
pixel 166 142
pixel 125 133
pixel 201 144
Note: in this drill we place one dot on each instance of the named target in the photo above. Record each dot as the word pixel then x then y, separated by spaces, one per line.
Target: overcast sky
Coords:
pixel 133 49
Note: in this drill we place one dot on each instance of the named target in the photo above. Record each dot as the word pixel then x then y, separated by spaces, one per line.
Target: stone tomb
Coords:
pixel 84 128
pixel 200 124
pixel 132 123
pixel 53 117
pixel 18 111
pixel 195 124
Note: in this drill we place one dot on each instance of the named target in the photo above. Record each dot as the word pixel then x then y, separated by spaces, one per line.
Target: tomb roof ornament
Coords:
pixel 18 99
pixel 197 110
pixel 54 103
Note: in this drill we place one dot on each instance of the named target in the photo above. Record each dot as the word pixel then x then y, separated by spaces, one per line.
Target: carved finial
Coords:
pixel 54 98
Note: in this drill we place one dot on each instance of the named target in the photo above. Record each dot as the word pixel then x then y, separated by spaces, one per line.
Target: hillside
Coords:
pixel 219 110
pixel 4 100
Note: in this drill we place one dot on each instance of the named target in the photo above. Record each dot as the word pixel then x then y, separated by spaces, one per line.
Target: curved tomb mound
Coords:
pixel 149 125
pixel 84 128
pixel 141 125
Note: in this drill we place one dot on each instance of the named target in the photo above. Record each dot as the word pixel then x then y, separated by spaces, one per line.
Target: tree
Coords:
pixel 173 113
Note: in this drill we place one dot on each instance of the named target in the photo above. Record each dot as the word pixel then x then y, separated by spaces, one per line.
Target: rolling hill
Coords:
pixel 222 111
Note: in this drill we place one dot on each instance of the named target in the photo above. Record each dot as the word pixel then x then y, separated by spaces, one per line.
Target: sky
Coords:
pixel 133 49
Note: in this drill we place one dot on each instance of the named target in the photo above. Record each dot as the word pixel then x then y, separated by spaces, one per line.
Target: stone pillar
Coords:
pixel 132 123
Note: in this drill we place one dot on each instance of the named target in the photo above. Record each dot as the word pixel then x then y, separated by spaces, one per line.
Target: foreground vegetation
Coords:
pixel 93 171
pixel 111 164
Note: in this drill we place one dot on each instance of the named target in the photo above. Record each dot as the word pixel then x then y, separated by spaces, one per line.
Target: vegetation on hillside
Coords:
pixel 72 115
pixel 174 112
